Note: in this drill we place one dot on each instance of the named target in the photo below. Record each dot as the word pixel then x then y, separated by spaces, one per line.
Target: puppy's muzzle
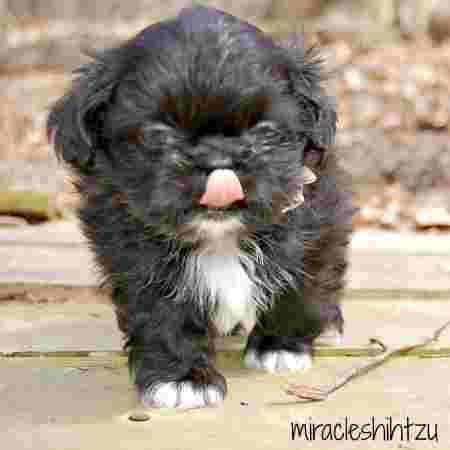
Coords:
pixel 223 188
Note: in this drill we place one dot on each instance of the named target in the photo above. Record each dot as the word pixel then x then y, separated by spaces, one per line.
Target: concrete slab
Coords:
pixel 66 409
pixel 72 405
pixel 68 403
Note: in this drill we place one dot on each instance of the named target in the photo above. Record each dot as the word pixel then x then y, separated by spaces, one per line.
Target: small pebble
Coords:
pixel 139 417
pixel 244 403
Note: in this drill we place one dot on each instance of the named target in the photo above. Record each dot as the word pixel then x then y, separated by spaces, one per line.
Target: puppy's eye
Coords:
pixel 146 133
pixel 157 130
pixel 158 127
pixel 266 126
pixel 261 136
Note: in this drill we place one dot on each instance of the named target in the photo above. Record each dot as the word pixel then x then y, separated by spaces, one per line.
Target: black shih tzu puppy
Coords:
pixel 211 197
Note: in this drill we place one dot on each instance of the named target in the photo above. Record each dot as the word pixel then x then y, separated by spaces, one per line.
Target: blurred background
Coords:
pixel 389 65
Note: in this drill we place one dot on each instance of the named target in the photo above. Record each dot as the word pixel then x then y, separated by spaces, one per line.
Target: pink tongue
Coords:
pixel 222 189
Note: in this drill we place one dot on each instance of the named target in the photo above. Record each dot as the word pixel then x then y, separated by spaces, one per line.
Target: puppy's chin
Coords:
pixel 212 227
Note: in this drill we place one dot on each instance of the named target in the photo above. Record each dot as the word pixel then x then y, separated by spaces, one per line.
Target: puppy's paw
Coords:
pixel 278 360
pixel 203 387
pixel 278 353
pixel 182 395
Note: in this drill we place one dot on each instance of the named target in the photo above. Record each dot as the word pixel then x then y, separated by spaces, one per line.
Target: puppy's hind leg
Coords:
pixel 283 339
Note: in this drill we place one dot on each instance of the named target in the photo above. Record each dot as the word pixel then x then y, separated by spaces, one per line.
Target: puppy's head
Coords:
pixel 199 117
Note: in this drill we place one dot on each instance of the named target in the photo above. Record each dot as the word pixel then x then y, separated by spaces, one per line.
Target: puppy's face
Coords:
pixel 193 125
pixel 217 149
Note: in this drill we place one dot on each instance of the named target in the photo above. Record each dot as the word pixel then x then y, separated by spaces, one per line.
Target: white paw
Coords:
pixel 182 395
pixel 330 336
pixel 278 361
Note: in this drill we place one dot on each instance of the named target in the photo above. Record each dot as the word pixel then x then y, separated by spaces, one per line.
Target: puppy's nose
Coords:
pixel 223 188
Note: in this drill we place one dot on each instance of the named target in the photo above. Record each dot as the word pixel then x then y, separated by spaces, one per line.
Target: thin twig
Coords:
pixel 321 393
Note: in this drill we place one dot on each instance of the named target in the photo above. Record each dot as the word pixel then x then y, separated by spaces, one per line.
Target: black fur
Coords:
pixel 142 127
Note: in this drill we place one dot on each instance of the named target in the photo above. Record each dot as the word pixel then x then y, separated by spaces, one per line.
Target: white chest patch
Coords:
pixel 223 281
pixel 222 276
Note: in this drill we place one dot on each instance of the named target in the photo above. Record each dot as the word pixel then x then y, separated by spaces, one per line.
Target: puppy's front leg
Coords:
pixel 170 369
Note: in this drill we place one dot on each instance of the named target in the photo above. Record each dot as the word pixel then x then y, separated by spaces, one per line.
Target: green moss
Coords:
pixel 33 206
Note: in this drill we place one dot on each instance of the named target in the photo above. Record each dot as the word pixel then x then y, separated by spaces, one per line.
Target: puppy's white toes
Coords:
pixel 331 336
pixel 182 395
pixel 251 360
pixel 283 360
pixel 163 395
pixel 278 361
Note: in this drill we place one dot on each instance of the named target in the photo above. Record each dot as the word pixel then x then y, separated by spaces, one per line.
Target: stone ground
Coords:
pixel 398 291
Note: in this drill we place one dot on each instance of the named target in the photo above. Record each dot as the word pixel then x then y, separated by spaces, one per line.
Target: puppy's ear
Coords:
pixel 318 114
pixel 322 133
pixel 325 129
pixel 75 123
pixel 318 110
